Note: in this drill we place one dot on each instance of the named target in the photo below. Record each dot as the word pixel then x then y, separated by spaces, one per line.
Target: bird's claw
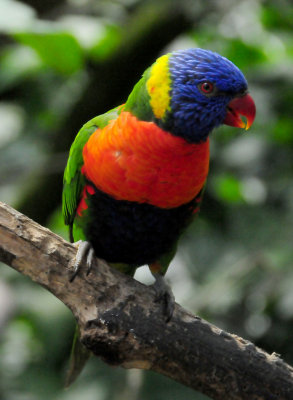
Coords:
pixel 164 294
pixel 84 249
pixel 89 260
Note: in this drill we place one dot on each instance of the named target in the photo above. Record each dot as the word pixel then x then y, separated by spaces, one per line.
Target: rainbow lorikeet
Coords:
pixel 135 175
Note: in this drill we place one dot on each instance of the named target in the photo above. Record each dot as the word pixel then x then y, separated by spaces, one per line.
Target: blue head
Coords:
pixel 202 87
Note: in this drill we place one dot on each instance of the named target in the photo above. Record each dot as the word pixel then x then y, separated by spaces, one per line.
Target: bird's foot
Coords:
pixel 85 249
pixel 164 294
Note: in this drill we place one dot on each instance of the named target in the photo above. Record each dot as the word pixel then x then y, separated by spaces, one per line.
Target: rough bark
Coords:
pixel 121 322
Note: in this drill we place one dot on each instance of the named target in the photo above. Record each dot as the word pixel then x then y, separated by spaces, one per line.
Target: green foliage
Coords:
pixel 245 52
pixel 227 188
pixel 278 16
pixel 107 45
pixel 75 60
pixel 58 50
pixel 282 131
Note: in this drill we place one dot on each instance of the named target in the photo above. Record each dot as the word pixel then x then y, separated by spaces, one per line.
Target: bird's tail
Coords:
pixel 78 358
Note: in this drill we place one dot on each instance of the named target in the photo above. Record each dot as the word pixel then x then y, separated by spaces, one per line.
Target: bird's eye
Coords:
pixel 206 87
pixel 242 92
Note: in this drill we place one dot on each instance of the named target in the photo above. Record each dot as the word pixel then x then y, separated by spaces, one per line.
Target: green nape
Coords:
pixel 138 102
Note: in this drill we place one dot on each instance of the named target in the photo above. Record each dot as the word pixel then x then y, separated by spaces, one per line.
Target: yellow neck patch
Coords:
pixel 158 87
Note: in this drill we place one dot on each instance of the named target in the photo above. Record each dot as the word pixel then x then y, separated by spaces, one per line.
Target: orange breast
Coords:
pixel 137 161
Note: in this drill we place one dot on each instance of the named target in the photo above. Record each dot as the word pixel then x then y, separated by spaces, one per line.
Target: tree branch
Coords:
pixel 121 323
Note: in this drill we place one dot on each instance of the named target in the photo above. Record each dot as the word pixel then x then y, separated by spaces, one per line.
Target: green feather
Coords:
pixel 74 181
pixel 140 108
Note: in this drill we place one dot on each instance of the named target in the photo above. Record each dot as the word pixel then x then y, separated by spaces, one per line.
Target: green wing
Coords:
pixel 74 181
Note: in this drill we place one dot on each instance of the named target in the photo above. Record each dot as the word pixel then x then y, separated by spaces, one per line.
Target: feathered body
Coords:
pixel 148 180
pixel 135 175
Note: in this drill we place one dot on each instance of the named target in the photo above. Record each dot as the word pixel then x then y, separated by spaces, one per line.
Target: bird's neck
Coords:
pixel 174 122
pixel 138 102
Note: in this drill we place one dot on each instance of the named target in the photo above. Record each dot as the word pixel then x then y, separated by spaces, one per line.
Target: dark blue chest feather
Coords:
pixel 134 233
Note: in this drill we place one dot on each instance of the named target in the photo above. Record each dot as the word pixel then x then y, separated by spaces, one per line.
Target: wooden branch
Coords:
pixel 121 323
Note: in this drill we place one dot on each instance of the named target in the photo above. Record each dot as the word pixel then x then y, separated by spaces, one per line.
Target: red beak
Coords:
pixel 240 106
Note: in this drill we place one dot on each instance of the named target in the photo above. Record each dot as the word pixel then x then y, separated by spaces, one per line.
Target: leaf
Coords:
pixel 107 45
pixel 282 131
pixel 227 188
pixel 245 54
pixel 58 50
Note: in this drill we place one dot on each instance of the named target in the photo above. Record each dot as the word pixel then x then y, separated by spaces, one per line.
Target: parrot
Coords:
pixel 135 175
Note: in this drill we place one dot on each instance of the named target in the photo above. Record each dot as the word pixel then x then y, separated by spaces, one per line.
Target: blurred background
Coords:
pixel 63 62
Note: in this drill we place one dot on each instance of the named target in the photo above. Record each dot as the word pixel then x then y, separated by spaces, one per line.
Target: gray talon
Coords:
pixel 89 260
pixel 84 249
pixel 164 293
